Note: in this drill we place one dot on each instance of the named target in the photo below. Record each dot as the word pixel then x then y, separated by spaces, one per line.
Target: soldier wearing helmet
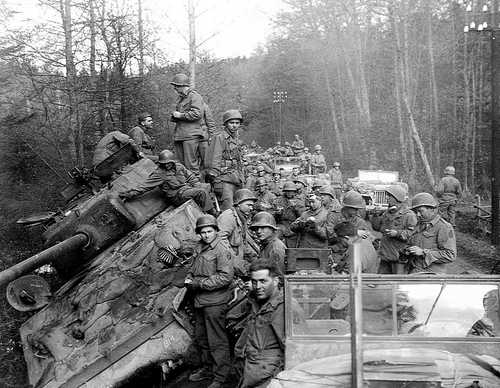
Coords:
pixel 271 247
pixel 225 165
pixel 209 280
pixel 275 185
pixel 177 183
pixel 233 225
pixel 328 199
pixel 265 198
pixel 448 191
pixel 297 145
pixel 336 180
pixel 352 206
pixel 188 119
pixel 311 226
pixel 318 161
pixel 111 143
pixel 141 134
pixel 287 209
pixel 433 243
pixel 396 224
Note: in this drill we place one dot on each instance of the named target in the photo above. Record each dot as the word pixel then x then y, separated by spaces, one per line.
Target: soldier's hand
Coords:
pixel 390 233
pixel 416 251
pixel 363 233
pixel 176 114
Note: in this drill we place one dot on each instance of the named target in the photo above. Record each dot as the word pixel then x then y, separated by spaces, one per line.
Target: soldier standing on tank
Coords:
pixel 225 165
pixel 336 180
pixel 188 119
pixel 287 209
pixel 448 192
pixel 318 162
pixel 305 159
pixel 311 226
pixel 261 346
pixel 209 280
pixel 265 198
pixel 233 226
pixel 396 224
pixel 141 134
pixel 432 246
pixel 176 181
pixel 271 247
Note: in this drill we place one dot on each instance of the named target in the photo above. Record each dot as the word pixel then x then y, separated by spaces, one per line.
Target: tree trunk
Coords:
pixel 333 113
pixel 192 42
pixel 141 38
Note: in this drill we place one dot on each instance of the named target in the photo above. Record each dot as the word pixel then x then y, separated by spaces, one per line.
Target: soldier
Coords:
pixel 233 226
pixel 275 185
pixel 336 180
pixel 265 199
pixel 209 280
pixel 448 192
pixel 353 204
pixel 176 181
pixel 433 244
pixel 328 199
pixel 305 159
pixel 209 130
pixel 225 167
pixel 396 224
pixel 188 118
pixel 295 173
pixel 287 209
pixel 297 145
pixel 261 345
pixel 111 143
pixel 311 226
pixel 301 190
pixel 271 247
pixel 139 133
pixel 342 255
pixel 318 162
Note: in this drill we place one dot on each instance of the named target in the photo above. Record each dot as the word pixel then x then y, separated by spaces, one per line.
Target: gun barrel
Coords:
pixel 71 244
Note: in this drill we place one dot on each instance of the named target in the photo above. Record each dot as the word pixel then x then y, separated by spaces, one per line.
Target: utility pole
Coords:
pixel 493 29
pixel 192 42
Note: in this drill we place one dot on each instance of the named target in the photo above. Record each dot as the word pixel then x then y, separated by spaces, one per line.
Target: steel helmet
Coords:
pixel 354 199
pixel 243 195
pixel 317 147
pixel 231 114
pixel 260 167
pixel 397 192
pixel 262 219
pixel 336 164
pixel 143 116
pixel 423 199
pixel 327 190
pixel 166 156
pixel 289 186
pixel 449 170
pixel 304 184
pixel 180 80
pixel 260 182
pixel 206 220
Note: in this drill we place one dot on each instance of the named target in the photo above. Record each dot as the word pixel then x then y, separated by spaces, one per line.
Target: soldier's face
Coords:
pixel 425 213
pixel 314 203
pixel 233 125
pixel 391 201
pixel 263 232
pixel 208 234
pixel 148 122
pixel 246 207
pixel 326 199
pixel 263 284
pixel 289 194
pixel 261 188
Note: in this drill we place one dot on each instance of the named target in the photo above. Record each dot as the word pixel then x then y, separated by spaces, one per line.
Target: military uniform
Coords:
pixel 227 165
pixel 403 221
pixel 110 144
pixel 287 211
pixel 437 239
pixel 212 275
pixel 262 343
pixel 188 129
pixel 264 201
pixel 209 130
pixel 275 187
pixel 233 227
pixel 318 163
pixel 274 250
pixel 312 234
pixel 178 184
pixel 145 143
pixel 336 182
pixel 448 191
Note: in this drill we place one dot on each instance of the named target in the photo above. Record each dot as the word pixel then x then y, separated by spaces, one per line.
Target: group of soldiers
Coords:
pixel 251 217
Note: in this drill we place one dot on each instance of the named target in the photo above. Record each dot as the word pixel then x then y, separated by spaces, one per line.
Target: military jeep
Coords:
pixel 389 330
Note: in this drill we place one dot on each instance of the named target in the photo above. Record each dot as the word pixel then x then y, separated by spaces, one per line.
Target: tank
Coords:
pixel 124 265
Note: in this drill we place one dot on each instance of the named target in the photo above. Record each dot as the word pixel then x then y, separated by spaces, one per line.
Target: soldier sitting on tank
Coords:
pixel 176 181
pixel 209 281
pixel 396 224
pixel 142 138
pixel 271 247
pixel 318 162
pixel 265 198
pixel 342 255
pixel 311 226
pixel 111 143
pixel 233 226
pixel 225 165
pixel 432 246
pixel 287 209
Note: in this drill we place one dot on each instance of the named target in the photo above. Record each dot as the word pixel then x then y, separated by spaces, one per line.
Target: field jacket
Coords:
pixel 189 125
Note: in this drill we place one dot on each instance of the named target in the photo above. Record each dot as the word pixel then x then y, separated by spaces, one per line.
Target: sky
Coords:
pixel 230 28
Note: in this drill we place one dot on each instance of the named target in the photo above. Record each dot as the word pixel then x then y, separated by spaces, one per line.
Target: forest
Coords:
pixel 385 84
